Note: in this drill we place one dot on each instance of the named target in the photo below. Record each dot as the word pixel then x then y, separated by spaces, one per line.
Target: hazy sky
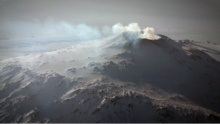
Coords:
pixel 178 19
pixel 169 16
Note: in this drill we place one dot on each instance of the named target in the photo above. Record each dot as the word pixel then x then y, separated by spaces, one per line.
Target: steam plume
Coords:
pixel 135 32
pixel 77 32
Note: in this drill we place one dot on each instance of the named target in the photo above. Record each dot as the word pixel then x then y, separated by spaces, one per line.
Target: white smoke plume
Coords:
pixel 80 32
pixel 119 28
pixel 134 31
pixel 50 29
pixel 40 36
pixel 149 33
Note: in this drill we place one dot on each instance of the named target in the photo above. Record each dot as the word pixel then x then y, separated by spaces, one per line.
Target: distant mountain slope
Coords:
pixel 115 79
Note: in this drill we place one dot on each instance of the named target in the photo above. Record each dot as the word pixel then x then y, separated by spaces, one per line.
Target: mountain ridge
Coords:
pixel 115 79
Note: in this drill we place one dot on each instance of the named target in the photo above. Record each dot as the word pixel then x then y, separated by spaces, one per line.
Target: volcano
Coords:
pixel 114 79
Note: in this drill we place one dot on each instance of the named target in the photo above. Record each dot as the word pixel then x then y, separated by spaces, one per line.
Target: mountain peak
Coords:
pixel 97 77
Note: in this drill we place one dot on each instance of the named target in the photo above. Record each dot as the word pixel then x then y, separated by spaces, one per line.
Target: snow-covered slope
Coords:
pixel 114 80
